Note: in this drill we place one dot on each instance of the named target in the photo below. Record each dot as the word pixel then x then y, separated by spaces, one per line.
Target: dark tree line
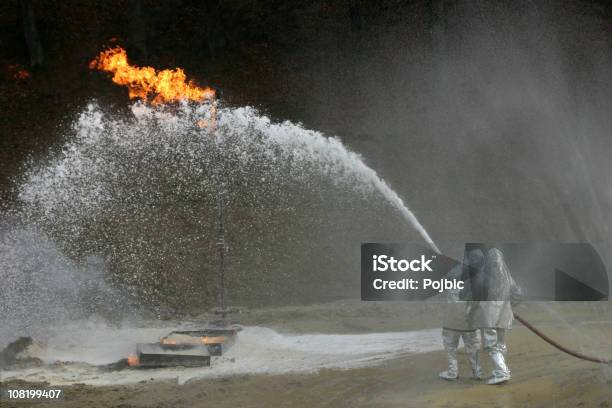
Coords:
pixel 215 25
pixel 30 32
pixel 217 19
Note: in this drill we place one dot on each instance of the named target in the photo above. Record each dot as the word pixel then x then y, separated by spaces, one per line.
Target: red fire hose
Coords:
pixel 561 347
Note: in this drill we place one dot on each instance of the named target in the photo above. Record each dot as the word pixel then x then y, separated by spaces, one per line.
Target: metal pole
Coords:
pixel 221 231
pixel 221 249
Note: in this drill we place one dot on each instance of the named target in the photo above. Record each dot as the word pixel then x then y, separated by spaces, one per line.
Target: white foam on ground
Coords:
pixel 258 350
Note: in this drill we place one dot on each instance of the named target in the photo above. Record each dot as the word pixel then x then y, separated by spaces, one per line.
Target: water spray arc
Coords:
pixel 158 87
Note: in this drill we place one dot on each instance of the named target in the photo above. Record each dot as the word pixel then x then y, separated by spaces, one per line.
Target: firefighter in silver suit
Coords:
pixel 493 294
pixel 456 327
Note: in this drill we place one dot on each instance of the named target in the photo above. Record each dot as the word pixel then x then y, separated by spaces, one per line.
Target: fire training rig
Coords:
pixel 194 348
pixel 184 348
pixel 191 348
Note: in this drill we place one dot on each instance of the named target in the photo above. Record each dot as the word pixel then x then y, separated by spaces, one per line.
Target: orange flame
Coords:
pixel 146 82
pixel 194 340
pixel 213 339
pixel 133 360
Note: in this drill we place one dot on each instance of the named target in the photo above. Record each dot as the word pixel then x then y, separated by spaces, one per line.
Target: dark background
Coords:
pixel 490 118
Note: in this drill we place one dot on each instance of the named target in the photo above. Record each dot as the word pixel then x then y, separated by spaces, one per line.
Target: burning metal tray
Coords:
pixel 171 355
pixel 217 340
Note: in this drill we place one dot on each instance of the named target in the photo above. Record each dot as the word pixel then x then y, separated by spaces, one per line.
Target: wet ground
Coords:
pixel 542 376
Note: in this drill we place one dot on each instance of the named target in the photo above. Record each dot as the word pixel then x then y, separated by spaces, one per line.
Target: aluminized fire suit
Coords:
pixel 456 326
pixel 493 293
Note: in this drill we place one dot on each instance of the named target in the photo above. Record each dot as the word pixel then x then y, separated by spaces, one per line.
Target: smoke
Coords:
pixel 42 288
pixel 492 116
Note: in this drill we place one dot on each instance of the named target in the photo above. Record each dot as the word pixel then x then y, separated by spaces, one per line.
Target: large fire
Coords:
pixel 147 83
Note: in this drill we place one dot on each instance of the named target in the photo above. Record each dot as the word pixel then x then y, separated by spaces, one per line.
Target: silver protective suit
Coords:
pixel 494 343
pixel 471 342
pixel 491 310
pixel 456 327
pixel 493 292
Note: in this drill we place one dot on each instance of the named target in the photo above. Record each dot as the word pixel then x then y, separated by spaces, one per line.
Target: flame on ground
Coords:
pixel 196 340
pixel 133 360
pixel 213 339
pixel 147 83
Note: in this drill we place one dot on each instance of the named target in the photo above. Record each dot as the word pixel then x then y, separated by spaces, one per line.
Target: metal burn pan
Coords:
pixel 172 355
